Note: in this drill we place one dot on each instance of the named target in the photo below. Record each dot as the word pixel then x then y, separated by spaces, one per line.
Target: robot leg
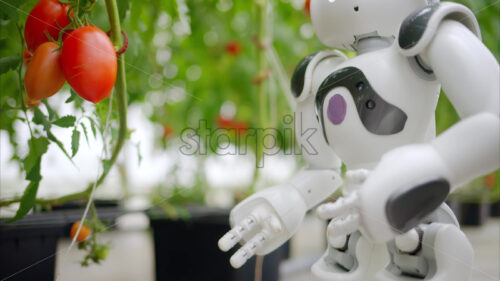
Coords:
pixel 353 258
pixel 436 251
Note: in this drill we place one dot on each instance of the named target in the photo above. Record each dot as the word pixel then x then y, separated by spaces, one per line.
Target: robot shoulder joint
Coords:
pixel 301 83
pixel 418 29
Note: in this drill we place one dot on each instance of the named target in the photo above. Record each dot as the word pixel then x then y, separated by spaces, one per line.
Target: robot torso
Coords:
pixel 372 103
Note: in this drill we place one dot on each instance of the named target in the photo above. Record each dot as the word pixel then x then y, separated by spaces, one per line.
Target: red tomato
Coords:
pixel 48 16
pixel 167 131
pixel 234 48
pixel 43 76
pixel 227 123
pixel 307 7
pixel 490 180
pixel 88 61
pixel 85 231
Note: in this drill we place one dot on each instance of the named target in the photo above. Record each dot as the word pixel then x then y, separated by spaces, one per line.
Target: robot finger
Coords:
pixel 274 224
pixel 234 236
pixel 343 226
pixel 357 176
pixel 248 250
pixel 343 206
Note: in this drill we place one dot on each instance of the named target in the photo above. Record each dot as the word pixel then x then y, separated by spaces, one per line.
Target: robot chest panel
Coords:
pixel 374 103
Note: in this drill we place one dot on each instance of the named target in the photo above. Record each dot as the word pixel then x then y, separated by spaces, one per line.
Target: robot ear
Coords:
pixel 301 83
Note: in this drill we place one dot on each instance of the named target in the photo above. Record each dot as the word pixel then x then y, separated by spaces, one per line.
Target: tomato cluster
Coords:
pixel 87 58
pixel 47 18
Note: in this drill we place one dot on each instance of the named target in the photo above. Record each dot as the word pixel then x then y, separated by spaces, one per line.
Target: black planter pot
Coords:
pixel 186 250
pixel 470 213
pixel 495 209
pixel 28 246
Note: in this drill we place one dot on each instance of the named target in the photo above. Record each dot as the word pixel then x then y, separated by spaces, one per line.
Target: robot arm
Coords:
pixel 267 219
pixel 410 182
pixel 469 75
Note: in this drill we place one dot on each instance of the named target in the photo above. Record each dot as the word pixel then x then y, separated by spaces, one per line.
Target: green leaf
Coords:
pixel 78 101
pixel 84 128
pixel 65 121
pixel 38 116
pixel 8 8
pixel 123 6
pixel 34 174
pixel 52 114
pixel 75 142
pixel 82 245
pixel 38 147
pixel 106 165
pixel 93 126
pixel 71 98
pixel 53 138
pixel 27 201
pixel 139 155
pixel 40 119
pixel 8 63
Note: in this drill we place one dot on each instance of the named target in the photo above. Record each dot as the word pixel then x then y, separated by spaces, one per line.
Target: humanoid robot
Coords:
pixel 375 113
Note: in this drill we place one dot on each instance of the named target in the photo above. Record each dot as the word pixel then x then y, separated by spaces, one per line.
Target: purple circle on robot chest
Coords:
pixel 336 109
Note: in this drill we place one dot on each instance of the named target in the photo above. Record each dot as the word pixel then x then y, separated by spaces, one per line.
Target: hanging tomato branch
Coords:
pixel 79 44
pixel 62 45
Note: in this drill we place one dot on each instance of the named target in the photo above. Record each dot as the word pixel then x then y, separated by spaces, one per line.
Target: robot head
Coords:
pixel 338 23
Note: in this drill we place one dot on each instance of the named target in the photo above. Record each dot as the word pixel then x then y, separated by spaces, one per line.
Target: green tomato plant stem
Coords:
pixel 262 45
pixel 121 100
pixel 262 42
pixel 19 75
pixel 120 85
pixel 262 97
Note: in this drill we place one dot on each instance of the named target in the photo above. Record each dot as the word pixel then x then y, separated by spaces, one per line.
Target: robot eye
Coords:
pixel 370 104
pixel 360 86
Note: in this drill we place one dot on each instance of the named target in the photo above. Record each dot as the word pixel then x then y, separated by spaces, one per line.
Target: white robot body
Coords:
pixel 392 78
pixel 375 113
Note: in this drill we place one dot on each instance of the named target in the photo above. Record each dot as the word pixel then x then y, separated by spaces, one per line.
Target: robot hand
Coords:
pixel 265 221
pixel 407 185
pixel 345 211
